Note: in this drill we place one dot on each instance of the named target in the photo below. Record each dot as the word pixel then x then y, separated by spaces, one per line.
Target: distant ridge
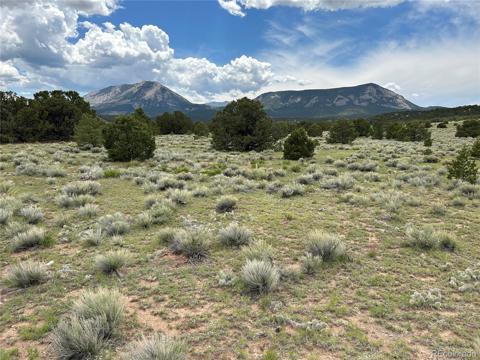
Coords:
pixel 355 101
pixel 347 102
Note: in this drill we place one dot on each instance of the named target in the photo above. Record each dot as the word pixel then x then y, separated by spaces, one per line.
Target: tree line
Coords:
pixel 243 125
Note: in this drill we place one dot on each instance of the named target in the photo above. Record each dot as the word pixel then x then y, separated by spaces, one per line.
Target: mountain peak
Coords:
pixel 353 101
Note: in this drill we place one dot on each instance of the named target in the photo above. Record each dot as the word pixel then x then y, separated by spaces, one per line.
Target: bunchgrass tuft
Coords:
pixel 30 238
pixel 192 244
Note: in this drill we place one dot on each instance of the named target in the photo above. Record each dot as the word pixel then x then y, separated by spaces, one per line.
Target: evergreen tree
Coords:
pixel 298 145
pixel 463 167
pixel 89 131
pixel 243 125
pixel 129 138
pixel 342 132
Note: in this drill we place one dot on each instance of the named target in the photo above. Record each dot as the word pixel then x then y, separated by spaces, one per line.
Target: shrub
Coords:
pixel 193 244
pixel 234 235
pixel 101 303
pixel 298 145
pixel 311 263
pixel 243 125
pixel 157 347
pixel 88 131
pixel 463 167
pixel 475 150
pixel 88 210
pixel 5 186
pixel 93 237
pixel 5 215
pixel 129 138
pixel 342 132
pixel 260 276
pixel 145 219
pixel 343 182
pixel 259 250
pixel 94 318
pixel 82 188
pixel 30 238
pixel 427 238
pixel 76 338
pixel 161 213
pixel 25 274
pixel 116 224
pixel 469 128
pixel 430 298
pixel 112 261
pixel 167 235
pixel 293 189
pixel 32 214
pixel 181 197
pixel 327 246
pixel 226 204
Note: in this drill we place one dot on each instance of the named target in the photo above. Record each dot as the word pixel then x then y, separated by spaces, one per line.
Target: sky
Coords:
pixel 425 50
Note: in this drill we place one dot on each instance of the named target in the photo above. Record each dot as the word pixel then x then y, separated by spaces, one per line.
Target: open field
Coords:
pixel 375 195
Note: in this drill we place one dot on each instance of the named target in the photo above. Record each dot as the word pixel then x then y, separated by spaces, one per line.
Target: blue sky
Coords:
pixel 427 50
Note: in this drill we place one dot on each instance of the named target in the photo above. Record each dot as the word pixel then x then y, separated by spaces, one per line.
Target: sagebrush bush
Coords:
pixel 260 276
pixel 76 338
pixel 25 274
pixel 103 303
pixel 6 186
pixel 327 246
pixel 226 204
pixel 234 235
pixel 161 213
pixel 157 347
pixel 258 250
pixel 82 188
pixel 94 318
pixel 145 219
pixel 92 237
pixel 427 238
pixel 166 235
pixel 181 197
pixel 32 214
pixel 88 210
pixel 112 261
pixel 115 224
pixel 30 238
pixel 293 189
pixel 311 263
pixel 192 244
pixel 5 215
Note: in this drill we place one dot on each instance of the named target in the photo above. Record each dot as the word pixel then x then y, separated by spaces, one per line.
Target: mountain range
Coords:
pixel 346 102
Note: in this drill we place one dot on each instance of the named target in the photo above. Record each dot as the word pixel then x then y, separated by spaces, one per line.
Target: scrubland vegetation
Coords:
pixel 368 249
